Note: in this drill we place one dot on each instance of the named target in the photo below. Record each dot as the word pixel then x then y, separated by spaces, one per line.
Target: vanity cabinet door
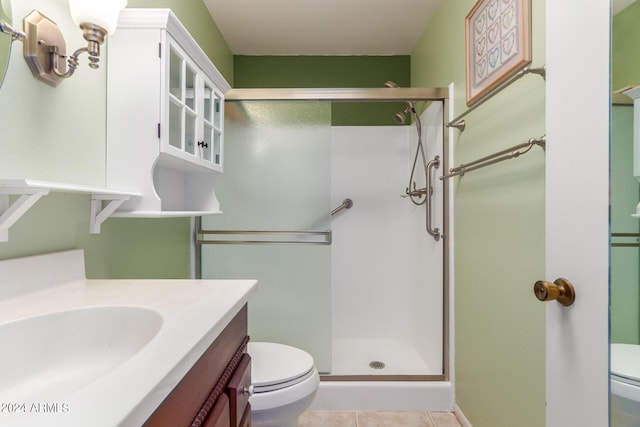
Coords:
pixel 246 417
pixel 219 416
pixel 238 390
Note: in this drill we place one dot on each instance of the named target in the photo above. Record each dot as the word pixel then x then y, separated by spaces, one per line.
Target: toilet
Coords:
pixel 284 382
pixel 625 385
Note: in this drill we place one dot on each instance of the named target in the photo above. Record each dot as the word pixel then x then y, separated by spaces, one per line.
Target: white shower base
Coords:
pixel 352 357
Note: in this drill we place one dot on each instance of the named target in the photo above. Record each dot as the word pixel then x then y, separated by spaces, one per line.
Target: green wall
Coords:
pixel 195 16
pixel 329 72
pixel 126 248
pixel 499 231
pixel 625 37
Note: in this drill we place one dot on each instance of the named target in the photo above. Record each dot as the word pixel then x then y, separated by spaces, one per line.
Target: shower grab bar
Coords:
pixel 346 204
pixel 460 124
pixel 306 235
pixel 509 153
pixel 433 232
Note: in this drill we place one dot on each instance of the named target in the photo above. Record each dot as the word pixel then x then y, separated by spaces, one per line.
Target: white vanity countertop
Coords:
pixel 194 313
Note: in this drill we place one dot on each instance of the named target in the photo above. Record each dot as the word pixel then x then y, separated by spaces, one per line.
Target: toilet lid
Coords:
pixel 625 362
pixel 275 366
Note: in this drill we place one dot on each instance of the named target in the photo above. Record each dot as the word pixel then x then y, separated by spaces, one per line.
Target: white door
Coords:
pixel 577 165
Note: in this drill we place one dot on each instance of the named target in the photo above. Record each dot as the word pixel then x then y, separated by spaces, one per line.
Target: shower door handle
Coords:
pixel 433 232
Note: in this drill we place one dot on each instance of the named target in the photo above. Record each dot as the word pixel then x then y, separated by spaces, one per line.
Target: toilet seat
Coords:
pixel 624 363
pixel 625 374
pixel 278 366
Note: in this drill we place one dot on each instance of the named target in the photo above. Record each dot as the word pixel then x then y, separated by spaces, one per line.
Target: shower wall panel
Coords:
pixel 386 270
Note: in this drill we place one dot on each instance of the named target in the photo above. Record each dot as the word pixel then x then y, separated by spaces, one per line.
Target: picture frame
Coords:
pixel 497 44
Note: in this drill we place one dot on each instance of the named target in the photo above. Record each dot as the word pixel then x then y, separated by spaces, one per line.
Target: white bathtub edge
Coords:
pixel 384 396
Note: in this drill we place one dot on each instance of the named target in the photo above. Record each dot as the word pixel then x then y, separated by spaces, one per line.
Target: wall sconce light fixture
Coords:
pixel 44 45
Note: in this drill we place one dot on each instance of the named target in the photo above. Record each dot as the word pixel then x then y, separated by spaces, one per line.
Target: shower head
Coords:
pixel 400 117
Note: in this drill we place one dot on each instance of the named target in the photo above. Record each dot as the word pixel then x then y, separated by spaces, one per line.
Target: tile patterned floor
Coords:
pixel 377 419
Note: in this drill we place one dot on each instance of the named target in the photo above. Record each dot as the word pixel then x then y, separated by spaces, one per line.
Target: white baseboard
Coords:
pixel 464 422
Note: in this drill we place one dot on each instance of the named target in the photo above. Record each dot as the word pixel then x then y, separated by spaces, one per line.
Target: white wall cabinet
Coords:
pixel 165 110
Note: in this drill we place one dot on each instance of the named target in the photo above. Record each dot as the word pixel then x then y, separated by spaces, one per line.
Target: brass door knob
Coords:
pixel 560 290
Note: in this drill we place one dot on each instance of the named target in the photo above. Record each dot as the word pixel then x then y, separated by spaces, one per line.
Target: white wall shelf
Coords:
pixel 104 201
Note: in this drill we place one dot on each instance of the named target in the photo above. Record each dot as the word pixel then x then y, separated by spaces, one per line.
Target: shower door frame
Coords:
pixel 370 95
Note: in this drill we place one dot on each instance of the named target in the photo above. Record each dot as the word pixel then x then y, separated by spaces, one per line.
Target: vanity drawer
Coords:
pixel 238 391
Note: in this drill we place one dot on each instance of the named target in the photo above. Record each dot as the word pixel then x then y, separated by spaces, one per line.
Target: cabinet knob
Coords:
pixel 203 144
pixel 248 391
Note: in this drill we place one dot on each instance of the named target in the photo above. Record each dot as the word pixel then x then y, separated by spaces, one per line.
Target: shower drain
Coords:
pixel 376 364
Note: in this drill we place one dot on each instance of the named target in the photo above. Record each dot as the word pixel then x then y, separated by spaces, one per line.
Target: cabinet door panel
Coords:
pixel 175 125
pixel 207 147
pixel 190 136
pixel 238 390
pixel 246 417
pixel 219 416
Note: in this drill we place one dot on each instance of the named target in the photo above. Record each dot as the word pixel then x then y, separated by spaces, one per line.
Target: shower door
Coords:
pixel 275 193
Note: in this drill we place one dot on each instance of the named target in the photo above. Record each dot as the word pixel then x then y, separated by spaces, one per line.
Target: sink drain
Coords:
pixel 376 364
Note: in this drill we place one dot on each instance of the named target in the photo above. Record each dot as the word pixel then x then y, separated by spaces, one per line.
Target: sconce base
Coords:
pixel 42 34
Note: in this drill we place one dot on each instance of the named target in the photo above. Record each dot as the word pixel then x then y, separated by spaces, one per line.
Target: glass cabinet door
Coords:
pixel 212 124
pixel 195 112
pixel 184 94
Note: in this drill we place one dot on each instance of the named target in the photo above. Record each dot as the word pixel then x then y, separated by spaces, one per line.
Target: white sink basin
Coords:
pixel 50 355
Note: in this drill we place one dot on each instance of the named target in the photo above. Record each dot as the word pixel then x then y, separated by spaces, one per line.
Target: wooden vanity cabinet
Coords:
pixel 214 392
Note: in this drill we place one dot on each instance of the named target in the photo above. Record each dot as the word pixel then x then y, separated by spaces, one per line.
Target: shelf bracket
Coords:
pixel 101 211
pixel 12 212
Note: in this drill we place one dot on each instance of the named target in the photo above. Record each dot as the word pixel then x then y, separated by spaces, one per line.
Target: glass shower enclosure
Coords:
pixel 364 291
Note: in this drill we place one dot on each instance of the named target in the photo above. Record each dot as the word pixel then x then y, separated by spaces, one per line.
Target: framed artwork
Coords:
pixel 498 44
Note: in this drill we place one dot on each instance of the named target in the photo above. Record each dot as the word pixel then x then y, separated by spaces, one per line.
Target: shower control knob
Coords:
pixel 561 290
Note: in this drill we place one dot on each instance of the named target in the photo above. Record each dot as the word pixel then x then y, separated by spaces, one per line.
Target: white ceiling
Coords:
pixel 321 27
